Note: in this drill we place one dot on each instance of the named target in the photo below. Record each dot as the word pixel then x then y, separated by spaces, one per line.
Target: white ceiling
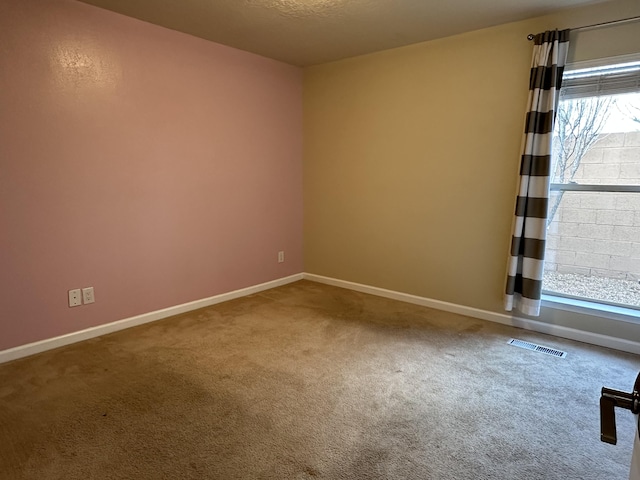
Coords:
pixel 309 32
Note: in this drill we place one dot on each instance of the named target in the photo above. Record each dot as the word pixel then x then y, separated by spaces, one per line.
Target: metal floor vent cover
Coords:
pixel 537 348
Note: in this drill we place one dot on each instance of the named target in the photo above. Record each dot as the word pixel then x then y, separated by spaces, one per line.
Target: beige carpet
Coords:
pixel 310 381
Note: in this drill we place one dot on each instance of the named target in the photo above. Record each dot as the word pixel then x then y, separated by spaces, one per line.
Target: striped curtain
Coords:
pixel 526 260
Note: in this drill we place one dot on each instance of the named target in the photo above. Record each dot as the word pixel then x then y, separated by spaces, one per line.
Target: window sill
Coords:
pixel 591 308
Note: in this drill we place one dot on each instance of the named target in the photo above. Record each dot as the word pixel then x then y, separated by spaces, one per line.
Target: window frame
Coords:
pixel 583 305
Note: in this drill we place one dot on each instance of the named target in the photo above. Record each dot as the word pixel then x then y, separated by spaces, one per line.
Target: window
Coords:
pixel 593 229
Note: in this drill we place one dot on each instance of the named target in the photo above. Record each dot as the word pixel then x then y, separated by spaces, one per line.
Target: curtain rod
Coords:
pixel 531 36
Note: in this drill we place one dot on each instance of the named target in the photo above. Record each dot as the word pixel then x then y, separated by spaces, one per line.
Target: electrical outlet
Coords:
pixel 75 297
pixel 280 257
pixel 87 295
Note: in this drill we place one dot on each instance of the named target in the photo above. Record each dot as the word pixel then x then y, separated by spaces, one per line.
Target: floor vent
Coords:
pixel 537 348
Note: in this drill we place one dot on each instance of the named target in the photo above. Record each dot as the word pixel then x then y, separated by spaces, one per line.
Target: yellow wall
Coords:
pixel 412 154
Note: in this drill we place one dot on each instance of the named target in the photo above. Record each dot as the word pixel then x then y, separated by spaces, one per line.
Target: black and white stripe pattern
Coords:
pixel 526 261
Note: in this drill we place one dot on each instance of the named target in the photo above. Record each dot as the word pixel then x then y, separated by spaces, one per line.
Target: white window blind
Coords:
pixel 592 82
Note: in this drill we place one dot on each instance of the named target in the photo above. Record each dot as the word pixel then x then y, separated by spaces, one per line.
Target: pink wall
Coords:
pixel 156 167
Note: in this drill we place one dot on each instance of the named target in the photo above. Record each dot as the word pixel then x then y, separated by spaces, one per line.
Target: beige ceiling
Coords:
pixel 309 32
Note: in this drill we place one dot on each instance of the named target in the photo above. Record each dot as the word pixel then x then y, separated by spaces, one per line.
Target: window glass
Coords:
pixel 593 229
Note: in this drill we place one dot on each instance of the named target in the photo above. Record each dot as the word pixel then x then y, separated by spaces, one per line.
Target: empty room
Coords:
pixel 328 239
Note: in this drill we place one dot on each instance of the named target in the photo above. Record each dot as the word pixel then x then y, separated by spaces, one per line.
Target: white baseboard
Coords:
pixel 524 323
pixel 51 343
pixel 533 325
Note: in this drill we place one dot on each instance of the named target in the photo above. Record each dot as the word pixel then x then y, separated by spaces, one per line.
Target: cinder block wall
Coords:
pixel 599 234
